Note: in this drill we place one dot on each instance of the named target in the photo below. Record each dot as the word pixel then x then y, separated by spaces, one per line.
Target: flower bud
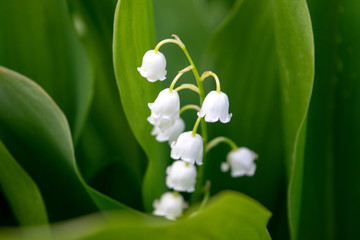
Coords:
pixel 241 162
pixel 188 148
pixel 181 176
pixel 165 109
pixel 171 205
pixel 215 107
pixel 153 66
pixel 170 133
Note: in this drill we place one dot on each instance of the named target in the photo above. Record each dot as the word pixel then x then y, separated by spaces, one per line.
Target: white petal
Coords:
pixel 153 66
pixel 238 173
pixel 251 170
pixel 215 107
pixel 225 118
pixel 211 117
pixel 187 147
pixel 170 206
pixel 225 167
pixel 241 162
pixel 168 170
pixel 169 133
pixel 181 176
pixel 165 107
pixel 199 157
pixel 201 113
pixel 175 151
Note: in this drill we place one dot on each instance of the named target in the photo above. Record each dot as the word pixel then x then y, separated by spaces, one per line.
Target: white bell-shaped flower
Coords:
pixel 241 162
pixel 171 205
pixel 188 148
pixel 153 66
pixel 165 109
pixel 215 107
pixel 170 133
pixel 181 176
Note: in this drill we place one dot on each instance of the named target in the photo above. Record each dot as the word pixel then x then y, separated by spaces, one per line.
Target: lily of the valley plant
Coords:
pixel 188 147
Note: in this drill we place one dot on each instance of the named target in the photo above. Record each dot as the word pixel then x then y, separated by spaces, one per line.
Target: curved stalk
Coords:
pixel 217 140
pixel 217 81
pixel 188 86
pixel 190 106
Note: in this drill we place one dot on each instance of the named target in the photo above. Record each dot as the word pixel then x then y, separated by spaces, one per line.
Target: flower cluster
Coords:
pixel 188 147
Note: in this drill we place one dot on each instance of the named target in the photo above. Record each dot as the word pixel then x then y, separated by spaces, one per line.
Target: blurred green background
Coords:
pixel 76 155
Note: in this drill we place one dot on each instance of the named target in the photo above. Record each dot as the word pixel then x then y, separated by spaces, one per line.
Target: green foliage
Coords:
pixel 75 140
pixel 330 199
pixel 35 122
pixel 274 99
pixel 133 36
pixel 38 136
pixel 16 183
pixel 249 220
pixel 114 156
pixel 36 39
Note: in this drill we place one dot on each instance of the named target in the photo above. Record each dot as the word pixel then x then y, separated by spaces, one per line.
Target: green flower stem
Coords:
pixel 206 195
pixel 201 93
pixel 190 106
pixel 217 81
pixel 196 195
pixel 198 79
pixel 187 86
pixel 217 140
pixel 178 76
pixel 176 41
pixel 196 126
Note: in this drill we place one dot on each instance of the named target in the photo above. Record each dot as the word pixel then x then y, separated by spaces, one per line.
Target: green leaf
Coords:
pixel 21 191
pixel 37 134
pixel 296 185
pixel 294 38
pixel 219 220
pixel 34 122
pixel 266 68
pixel 108 154
pixel 36 39
pixel 133 36
pixel 182 18
pixel 248 221
pixel 329 203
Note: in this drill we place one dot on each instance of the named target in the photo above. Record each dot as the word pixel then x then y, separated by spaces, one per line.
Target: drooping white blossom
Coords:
pixel 171 205
pixel 170 133
pixel 215 107
pixel 241 162
pixel 165 109
pixel 153 66
pixel 181 176
pixel 188 148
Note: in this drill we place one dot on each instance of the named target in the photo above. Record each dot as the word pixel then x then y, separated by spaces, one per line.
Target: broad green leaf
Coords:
pixel 296 185
pixel 133 36
pixel 182 18
pixel 36 39
pixel 31 118
pixel 329 203
pixel 248 221
pixel 108 155
pixel 21 191
pixel 33 124
pixel 294 38
pixel 185 18
pixel 263 54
